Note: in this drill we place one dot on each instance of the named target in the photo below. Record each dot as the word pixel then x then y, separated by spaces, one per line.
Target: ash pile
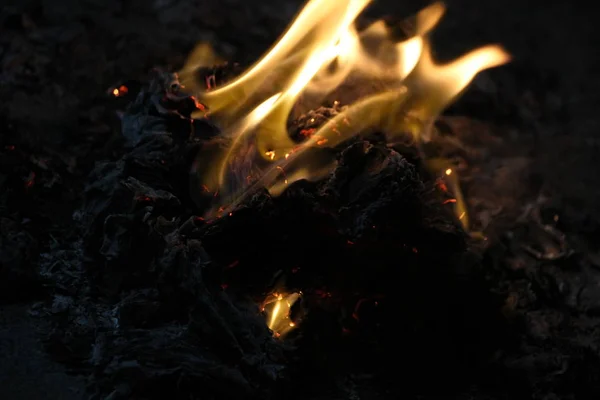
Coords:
pixel 158 302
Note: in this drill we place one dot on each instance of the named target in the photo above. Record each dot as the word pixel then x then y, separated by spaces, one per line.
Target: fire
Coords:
pixel 320 53
pixel 277 307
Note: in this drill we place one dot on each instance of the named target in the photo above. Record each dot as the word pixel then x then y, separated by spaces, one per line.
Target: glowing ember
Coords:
pixel 277 307
pixel 120 91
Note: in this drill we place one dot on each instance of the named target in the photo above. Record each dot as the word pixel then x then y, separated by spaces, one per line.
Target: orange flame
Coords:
pixel 319 52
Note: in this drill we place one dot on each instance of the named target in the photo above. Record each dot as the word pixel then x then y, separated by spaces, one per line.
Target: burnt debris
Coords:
pixel 156 302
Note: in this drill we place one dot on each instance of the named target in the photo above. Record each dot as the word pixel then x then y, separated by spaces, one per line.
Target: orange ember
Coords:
pixel 120 91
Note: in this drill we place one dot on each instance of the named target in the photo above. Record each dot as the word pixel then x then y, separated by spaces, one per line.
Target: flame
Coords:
pixel 321 52
pixel 278 306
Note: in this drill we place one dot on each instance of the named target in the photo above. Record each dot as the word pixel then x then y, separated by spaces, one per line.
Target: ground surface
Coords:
pixel 58 59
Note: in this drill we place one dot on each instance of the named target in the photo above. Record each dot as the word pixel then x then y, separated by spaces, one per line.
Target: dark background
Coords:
pixel 59 58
